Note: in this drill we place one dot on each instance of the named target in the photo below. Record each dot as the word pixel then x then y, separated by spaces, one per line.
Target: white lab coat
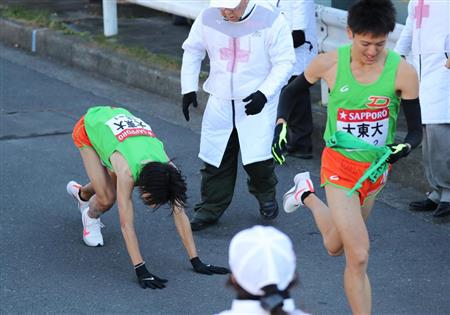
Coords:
pixel 246 56
pixel 301 15
pixel 427 38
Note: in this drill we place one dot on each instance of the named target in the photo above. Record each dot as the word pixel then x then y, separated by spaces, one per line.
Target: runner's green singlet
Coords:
pixel 113 129
pixel 367 111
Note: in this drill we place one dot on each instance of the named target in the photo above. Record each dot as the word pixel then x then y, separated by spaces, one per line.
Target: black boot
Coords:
pixel 268 209
pixel 423 205
pixel 442 210
pixel 197 224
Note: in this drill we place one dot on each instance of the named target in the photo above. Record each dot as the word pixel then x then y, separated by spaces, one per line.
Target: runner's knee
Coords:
pixel 333 246
pixel 336 253
pixel 105 201
pixel 357 258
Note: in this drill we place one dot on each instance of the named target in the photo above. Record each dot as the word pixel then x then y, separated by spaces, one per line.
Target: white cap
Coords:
pixel 260 256
pixel 229 4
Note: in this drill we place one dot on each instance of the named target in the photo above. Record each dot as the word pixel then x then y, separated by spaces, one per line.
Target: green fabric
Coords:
pixel 102 121
pixel 359 108
pixel 342 140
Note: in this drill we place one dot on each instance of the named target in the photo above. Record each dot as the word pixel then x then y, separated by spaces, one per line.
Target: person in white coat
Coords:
pixel 263 263
pixel 426 36
pixel 251 55
pixel 301 18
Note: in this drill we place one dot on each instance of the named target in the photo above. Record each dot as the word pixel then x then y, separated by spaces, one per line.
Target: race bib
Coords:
pixel 369 125
pixel 124 126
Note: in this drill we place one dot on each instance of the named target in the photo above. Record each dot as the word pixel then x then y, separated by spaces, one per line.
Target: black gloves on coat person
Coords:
pixel 188 99
pixel 298 38
pixel 257 102
pixel 200 267
pixel 148 280
pixel 398 151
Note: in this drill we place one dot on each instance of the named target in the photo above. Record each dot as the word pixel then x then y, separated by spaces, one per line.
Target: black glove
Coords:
pixel 148 280
pixel 298 38
pixel 279 143
pixel 398 151
pixel 258 100
pixel 207 269
pixel 188 99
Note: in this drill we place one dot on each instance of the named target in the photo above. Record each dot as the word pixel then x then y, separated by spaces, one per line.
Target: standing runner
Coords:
pixel 119 152
pixel 368 84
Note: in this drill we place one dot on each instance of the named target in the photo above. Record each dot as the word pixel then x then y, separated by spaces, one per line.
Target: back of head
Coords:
pixel 161 183
pixel 375 17
pixel 262 256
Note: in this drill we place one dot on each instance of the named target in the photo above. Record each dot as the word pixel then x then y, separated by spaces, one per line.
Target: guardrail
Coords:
pixel 331 23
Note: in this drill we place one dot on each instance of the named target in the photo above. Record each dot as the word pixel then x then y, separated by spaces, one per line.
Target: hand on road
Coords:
pixel 148 280
pixel 200 267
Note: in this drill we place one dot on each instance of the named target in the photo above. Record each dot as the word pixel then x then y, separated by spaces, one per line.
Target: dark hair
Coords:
pixel 160 183
pixel 376 17
pixel 242 294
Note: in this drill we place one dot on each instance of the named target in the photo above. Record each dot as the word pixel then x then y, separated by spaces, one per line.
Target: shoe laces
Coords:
pixel 97 222
pixel 94 222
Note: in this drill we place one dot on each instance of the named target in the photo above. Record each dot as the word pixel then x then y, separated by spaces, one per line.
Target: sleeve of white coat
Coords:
pixel 194 53
pixel 286 9
pixel 404 43
pixel 282 58
pixel 300 14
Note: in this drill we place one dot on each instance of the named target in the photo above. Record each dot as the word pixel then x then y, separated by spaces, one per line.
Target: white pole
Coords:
pixel 110 17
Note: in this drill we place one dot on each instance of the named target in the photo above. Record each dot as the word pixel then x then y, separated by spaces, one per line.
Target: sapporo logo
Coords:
pixel 378 101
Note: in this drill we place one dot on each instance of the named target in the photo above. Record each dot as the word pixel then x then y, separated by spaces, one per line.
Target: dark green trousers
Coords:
pixel 217 186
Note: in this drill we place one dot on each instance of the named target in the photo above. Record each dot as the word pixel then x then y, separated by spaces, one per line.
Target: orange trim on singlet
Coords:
pixel 340 171
pixel 79 135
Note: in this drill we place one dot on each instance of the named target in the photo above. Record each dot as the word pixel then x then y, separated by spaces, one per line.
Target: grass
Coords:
pixel 36 17
pixel 43 18
pixel 138 53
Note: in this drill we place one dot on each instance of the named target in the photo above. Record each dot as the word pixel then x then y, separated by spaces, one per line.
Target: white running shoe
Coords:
pixel 73 189
pixel 92 234
pixel 292 200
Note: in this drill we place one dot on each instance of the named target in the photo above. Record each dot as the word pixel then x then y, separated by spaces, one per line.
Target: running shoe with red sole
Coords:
pixel 292 199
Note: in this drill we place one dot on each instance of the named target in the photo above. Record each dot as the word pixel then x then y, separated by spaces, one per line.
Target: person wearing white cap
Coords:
pixel 251 55
pixel 263 263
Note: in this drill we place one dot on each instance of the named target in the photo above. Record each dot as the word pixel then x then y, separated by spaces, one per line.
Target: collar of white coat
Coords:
pixel 248 10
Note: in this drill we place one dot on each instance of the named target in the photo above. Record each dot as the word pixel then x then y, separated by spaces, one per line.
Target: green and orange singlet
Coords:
pixel 113 129
pixel 367 111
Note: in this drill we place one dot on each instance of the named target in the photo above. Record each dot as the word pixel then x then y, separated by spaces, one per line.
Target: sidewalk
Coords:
pixel 125 58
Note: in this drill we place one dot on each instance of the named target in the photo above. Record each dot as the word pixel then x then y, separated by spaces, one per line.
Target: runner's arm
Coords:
pixel 184 230
pixel 124 189
pixel 313 73
pixel 408 85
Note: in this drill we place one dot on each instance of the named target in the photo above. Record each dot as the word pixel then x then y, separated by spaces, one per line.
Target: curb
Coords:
pixel 79 53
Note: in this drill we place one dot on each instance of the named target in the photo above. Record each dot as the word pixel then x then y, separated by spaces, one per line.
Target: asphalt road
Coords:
pixel 46 268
